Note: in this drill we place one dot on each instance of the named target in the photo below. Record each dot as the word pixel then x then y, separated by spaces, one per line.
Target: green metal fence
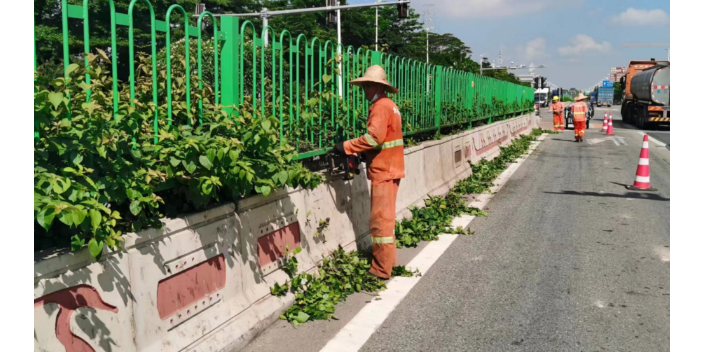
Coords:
pixel 303 82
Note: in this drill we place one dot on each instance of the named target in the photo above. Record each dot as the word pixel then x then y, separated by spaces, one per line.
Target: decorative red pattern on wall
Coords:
pixel 181 290
pixel 272 246
pixel 69 300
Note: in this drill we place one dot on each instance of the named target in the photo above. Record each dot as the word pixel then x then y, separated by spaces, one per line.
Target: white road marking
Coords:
pixel 663 253
pixel 595 140
pixel 356 333
pixel 655 141
pixel 620 141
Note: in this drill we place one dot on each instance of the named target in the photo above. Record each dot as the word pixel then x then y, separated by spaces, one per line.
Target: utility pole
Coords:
pixel 376 28
pixel 428 22
pixel 265 23
pixel 339 51
pixel 265 14
pixel 667 45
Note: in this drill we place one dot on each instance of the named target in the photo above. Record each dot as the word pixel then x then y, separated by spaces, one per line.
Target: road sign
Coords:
pixel 607 84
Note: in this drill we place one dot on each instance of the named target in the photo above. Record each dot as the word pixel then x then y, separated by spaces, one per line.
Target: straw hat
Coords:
pixel 581 97
pixel 375 74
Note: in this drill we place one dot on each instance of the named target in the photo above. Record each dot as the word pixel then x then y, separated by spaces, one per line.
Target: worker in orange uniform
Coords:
pixel 557 109
pixel 383 149
pixel 579 116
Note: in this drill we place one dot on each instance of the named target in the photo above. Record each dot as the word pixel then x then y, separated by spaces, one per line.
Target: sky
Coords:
pixel 578 41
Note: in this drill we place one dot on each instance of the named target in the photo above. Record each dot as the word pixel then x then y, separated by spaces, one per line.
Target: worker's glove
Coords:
pixel 339 148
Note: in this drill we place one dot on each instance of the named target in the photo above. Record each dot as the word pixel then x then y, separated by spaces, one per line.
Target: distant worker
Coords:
pixel 557 109
pixel 579 116
pixel 382 146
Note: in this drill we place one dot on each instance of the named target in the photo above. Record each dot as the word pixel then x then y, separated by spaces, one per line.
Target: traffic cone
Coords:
pixel 610 131
pixel 606 122
pixel 642 182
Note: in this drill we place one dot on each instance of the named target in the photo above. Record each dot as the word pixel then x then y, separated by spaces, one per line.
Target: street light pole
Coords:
pixel 339 51
pixel 376 26
pixel 265 23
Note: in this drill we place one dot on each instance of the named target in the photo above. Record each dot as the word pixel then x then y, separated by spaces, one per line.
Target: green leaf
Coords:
pixel 95 219
pixel 133 194
pixel 211 155
pixel 297 250
pixel 234 154
pixel 45 217
pixel 265 190
pixel 174 162
pixel 135 207
pixel 312 102
pixel 266 125
pixel 66 218
pixel 207 187
pixel 56 98
pixel 282 177
pixel 71 68
pixel 77 159
pixel 95 248
pixel 190 167
pixel 205 162
pixel 101 151
pixel 327 78
pixel 302 317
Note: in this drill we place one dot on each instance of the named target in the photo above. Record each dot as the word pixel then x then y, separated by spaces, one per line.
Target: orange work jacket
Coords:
pixel 382 145
pixel 557 108
pixel 579 111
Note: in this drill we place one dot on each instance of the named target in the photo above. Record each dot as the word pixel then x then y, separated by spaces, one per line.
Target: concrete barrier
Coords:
pixel 201 283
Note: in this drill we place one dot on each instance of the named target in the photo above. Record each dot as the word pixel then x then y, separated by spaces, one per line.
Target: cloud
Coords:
pixel 636 17
pixel 489 8
pixel 582 43
pixel 535 49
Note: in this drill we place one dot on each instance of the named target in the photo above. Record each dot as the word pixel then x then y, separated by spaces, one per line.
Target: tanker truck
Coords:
pixel 646 93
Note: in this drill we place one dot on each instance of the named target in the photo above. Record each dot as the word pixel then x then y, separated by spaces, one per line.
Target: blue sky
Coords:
pixel 577 40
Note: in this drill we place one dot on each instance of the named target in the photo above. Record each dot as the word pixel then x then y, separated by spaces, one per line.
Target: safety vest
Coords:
pixel 382 145
pixel 557 108
pixel 579 111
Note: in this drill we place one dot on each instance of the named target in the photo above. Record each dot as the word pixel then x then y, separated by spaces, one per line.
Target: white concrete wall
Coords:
pixel 227 316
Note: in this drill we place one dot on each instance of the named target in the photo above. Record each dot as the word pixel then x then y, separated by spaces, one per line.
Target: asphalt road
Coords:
pixel 567 260
pixel 661 133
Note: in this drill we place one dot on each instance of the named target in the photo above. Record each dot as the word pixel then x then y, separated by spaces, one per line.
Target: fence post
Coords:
pixel 438 83
pixel 230 66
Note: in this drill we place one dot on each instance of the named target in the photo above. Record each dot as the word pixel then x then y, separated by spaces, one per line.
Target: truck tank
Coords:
pixel 652 85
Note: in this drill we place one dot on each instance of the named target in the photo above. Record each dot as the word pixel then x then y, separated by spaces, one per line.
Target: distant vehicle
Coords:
pixel 647 93
pixel 541 97
pixel 605 96
pixel 592 98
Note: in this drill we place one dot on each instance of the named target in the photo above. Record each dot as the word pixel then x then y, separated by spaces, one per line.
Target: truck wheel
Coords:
pixel 641 117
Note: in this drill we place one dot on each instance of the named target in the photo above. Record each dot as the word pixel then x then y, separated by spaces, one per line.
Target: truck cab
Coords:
pixel 541 97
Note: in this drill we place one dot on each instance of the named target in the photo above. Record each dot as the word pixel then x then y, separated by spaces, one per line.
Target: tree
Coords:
pixel 618 92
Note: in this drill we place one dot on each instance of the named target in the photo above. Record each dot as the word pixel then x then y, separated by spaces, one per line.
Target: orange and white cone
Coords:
pixel 610 131
pixel 606 122
pixel 642 182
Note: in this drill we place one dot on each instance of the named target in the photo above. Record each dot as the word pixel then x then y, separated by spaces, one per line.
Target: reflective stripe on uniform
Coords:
pixel 371 140
pixel 579 113
pixel 383 240
pixel 396 143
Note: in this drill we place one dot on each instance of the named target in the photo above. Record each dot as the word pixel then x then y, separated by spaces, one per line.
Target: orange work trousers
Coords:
pixel 558 122
pixel 579 128
pixel 381 225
